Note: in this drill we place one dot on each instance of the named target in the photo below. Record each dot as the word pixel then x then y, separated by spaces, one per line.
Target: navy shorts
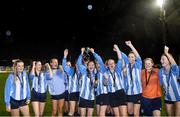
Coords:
pixel 66 95
pixel 38 97
pixel 136 99
pixel 83 103
pixel 58 97
pixel 149 105
pixel 117 98
pixel 102 99
pixel 170 102
pixel 15 104
pixel 74 96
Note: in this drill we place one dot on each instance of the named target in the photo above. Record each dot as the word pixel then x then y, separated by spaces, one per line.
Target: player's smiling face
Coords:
pixel 91 66
pixel 38 66
pixel 54 63
pixel 20 67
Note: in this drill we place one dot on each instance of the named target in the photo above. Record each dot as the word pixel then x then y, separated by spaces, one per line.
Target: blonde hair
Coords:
pixel 148 59
pixel 15 70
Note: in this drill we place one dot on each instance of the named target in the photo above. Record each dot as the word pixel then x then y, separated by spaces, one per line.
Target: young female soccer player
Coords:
pixel 17 91
pixel 116 92
pixel 133 79
pixel 39 87
pixel 151 90
pixel 168 75
pixel 102 97
pixel 66 99
pixel 87 96
pixel 56 86
pixel 73 83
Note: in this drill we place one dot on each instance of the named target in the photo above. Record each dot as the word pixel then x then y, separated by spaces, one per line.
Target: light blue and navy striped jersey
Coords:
pixel 80 81
pixel 73 77
pixel 87 90
pixel 123 78
pixel 66 82
pixel 123 74
pixel 114 79
pixel 17 89
pixel 101 88
pixel 133 77
pixel 39 82
pixel 170 84
pixel 56 84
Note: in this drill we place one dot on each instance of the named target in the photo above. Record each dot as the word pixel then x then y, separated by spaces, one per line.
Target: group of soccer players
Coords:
pixel 120 87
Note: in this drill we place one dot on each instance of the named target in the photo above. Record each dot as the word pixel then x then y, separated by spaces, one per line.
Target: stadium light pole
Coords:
pixel 161 4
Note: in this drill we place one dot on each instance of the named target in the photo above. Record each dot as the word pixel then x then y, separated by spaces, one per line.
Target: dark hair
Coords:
pixel 89 75
pixel 166 57
pixel 53 59
pixel 131 52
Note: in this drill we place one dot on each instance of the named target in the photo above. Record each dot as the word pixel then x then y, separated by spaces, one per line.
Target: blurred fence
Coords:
pixel 5 69
pixel 8 69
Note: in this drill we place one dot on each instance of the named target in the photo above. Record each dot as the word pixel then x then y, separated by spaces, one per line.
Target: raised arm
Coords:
pixel 99 60
pixel 170 57
pixel 66 68
pixel 81 67
pixel 128 43
pixel 50 70
pixel 119 55
pixel 117 50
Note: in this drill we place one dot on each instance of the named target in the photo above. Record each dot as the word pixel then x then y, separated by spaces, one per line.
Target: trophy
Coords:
pixel 86 55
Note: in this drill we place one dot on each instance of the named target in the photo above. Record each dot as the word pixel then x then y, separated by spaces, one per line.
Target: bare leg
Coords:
pixel 102 112
pixel 41 108
pixel 116 111
pixel 90 112
pixel 98 110
pixel 54 107
pixel 169 109
pixel 177 108
pixel 25 110
pixel 66 106
pixel 14 112
pixel 137 110
pixel 123 110
pixel 156 113
pixel 36 108
pixel 83 112
pixel 60 107
pixel 130 107
pixel 72 105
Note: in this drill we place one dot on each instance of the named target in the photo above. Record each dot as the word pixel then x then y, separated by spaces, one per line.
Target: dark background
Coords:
pixel 42 29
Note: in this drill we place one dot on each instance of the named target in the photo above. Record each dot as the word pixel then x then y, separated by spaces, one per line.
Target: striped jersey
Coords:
pixel 39 82
pixel 115 82
pixel 133 77
pixel 170 84
pixel 72 77
pixel 18 89
pixel 66 82
pixel 87 90
pixel 101 87
pixel 114 78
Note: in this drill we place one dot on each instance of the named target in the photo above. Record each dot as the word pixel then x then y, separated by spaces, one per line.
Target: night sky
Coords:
pixel 39 29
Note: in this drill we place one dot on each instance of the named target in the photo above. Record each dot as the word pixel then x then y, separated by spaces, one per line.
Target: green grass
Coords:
pixel 3 112
pixel 47 111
